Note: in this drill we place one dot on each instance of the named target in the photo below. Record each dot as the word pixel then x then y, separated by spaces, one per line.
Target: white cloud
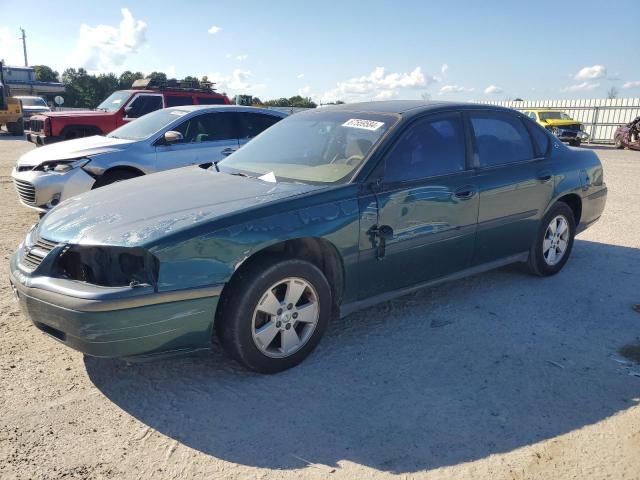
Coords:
pixel 635 84
pixel 305 91
pixel 581 87
pixel 300 75
pixel 493 90
pixel 242 57
pixel 591 73
pixel 214 29
pixel 239 81
pixel 170 71
pixel 10 46
pixel 104 48
pixel 445 89
pixel 444 69
pixel 378 84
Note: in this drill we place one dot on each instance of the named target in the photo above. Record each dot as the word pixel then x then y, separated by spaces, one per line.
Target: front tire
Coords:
pixel 114 176
pixel 618 143
pixel 273 313
pixel 554 241
pixel 16 128
pixel 575 143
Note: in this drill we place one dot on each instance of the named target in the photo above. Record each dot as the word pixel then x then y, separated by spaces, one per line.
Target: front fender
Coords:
pixel 212 258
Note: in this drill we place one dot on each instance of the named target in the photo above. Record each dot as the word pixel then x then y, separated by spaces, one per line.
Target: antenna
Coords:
pixel 24 46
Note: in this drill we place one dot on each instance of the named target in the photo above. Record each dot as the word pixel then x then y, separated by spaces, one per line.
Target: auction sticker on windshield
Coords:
pixel 364 124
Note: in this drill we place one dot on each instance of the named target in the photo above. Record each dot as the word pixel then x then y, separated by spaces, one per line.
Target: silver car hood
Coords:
pixel 77 148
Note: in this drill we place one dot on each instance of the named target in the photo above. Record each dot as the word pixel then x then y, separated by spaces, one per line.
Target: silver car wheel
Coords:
pixel 556 240
pixel 285 318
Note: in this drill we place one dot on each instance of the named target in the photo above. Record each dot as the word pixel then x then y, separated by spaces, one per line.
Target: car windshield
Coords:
pixel 319 146
pixel 147 125
pixel 33 102
pixel 554 116
pixel 114 101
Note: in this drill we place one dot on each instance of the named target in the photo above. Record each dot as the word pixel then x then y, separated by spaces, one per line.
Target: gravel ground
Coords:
pixel 501 376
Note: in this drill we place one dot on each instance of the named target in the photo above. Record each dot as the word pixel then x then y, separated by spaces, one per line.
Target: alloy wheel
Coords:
pixel 285 317
pixel 556 240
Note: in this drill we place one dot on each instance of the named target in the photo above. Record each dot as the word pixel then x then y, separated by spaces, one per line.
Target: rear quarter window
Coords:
pixel 177 100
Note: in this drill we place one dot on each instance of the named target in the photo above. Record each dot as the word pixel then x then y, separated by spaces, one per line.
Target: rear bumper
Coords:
pixel 41 140
pixel 44 190
pixel 116 322
pixel 592 207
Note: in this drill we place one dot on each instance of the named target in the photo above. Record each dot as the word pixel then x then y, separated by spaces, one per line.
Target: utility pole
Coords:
pixel 24 46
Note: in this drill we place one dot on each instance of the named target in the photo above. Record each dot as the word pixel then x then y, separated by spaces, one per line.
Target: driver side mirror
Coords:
pixel 172 137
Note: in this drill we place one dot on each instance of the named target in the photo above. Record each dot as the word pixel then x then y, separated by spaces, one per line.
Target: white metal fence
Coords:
pixel 601 117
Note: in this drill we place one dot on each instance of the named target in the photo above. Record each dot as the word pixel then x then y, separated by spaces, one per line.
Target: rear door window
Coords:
pixel 178 100
pixel 252 124
pixel 500 138
pixel 210 101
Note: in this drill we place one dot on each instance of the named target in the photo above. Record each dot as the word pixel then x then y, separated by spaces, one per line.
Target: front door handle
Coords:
pixel 544 177
pixel 228 151
pixel 465 193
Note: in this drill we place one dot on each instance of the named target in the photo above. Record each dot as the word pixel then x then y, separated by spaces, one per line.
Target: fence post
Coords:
pixel 593 124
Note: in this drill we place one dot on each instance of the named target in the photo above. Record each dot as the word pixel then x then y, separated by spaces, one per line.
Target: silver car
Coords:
pixel 164 139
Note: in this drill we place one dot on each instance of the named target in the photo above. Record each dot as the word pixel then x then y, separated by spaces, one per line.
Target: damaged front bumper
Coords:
pixel 42 190
pixel 131 322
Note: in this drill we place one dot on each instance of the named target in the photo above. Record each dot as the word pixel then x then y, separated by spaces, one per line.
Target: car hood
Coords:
pixel 79 147
pixel 77 113
pixel 142 210
pixel 560 123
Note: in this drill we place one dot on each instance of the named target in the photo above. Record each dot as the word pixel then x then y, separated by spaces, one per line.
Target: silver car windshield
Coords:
pixel 320 146
pixel 147 125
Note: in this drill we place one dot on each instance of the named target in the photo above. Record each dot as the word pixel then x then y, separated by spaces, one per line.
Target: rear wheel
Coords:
pixel 114 176
pixel 554 241
pixel 274 313
pixel 575 143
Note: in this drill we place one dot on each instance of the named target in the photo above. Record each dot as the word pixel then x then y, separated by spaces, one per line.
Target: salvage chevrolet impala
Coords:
pixel 326 212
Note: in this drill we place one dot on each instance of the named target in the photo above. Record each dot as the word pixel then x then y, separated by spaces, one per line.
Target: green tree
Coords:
pixel 158 76
pixel 295 101
pixel 127 78
pixel 44 73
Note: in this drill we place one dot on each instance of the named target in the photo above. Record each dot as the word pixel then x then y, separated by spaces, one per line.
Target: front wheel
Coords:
pixel 618 143
pixel 575 143
pixel 274 313
pixel 554 241
pixel 114 176
pixel 16 128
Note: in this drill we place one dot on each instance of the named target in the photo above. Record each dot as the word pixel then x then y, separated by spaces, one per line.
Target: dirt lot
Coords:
pixel 502 376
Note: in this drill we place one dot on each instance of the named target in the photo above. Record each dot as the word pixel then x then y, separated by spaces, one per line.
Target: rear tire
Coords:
pixel 552 247
pixel 575 143
pixel 114 176
pixel 259 319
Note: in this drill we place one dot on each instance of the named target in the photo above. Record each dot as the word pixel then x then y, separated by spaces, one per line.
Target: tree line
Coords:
pixel 85 90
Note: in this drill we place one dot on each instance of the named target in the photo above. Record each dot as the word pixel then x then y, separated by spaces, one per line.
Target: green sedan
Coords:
pixel 328 211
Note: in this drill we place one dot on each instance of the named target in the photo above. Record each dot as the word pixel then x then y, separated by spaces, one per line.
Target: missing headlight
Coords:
pixel 108 266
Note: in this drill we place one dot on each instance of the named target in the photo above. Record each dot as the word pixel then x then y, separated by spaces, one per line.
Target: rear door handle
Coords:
pixel 465 193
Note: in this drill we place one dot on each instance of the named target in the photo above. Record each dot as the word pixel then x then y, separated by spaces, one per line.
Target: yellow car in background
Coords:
pixel 560 124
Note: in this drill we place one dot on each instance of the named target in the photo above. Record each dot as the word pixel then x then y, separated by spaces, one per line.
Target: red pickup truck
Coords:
pixel 120 107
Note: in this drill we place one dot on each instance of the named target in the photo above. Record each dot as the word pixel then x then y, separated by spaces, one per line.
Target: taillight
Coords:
pixel 47 126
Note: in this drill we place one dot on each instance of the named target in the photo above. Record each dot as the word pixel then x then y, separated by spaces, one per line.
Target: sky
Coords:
pixel 344 50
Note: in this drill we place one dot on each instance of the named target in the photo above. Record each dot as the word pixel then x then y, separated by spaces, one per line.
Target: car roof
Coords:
pixel 232 108
pixel 410 107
